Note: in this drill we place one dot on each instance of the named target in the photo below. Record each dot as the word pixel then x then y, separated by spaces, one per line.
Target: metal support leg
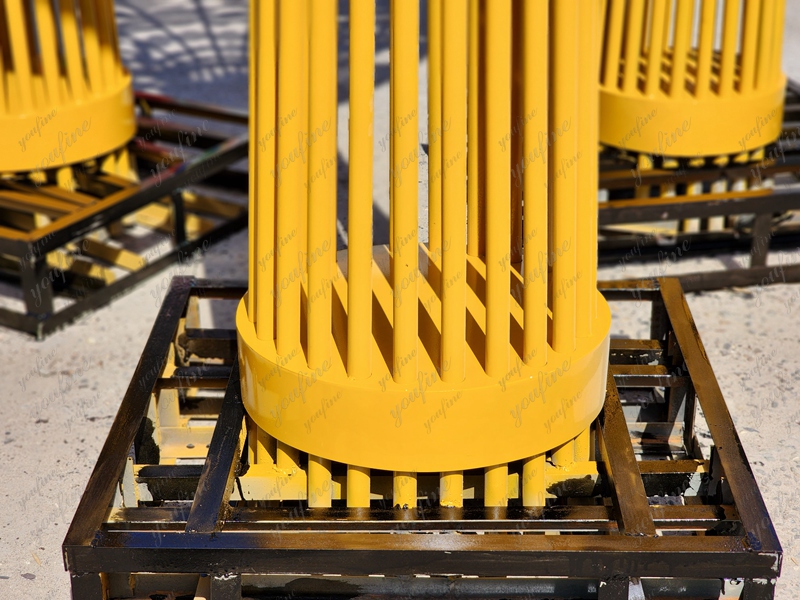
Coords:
pixel 179 217
pixel 759 247
pixel 613 589
pixel 758 589
pixel 87 586
pixel 226 587
pixel 37 286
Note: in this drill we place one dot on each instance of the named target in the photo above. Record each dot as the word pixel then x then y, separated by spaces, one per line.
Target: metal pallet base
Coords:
pixel 74 244
pixel 622 244
pixel 664 518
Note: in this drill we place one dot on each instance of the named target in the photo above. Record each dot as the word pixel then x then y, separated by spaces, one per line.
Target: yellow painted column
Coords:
pixel 535 161
pixel 322 156
pixel 496 486
pixel 533 481
pixel 291 171
pixel 404 490
pixel 562 179
pixel 454 192
pixel 435 128
pixel 475 226
pixel 451 489
pixel 320 485
pixel 498 168
pixel 404 186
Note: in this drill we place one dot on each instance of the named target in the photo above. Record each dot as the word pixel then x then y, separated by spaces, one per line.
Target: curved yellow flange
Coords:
pixel 688 127
pixel 70 133
pixel 429 426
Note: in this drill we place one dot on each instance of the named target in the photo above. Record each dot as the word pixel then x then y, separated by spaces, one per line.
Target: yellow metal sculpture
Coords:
pixel 65 96
pixel 486 345
pixel 686 79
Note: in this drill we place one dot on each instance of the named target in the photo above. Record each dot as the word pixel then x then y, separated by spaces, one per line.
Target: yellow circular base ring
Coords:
pixel 430 426
pixel 67 134
pixel 662 126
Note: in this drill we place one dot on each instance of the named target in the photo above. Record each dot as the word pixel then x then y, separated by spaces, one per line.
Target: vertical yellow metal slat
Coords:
pixel 584 166
pixel 49 52
pixel 454 191
pixel 730 37
pixel 91 45
pixel 257 37
pixel 614 44
pixel 496 486
pixel 752 11
pixel 766 39
pixel 583 445
pixel 20 56
pixel 778 27
pixel 514 144
pixel 633 46
pixel 653 79
pixel 537 41
pixel 562 181
pixel 359 209
pixel 357 487
pixel 105 25
pixel 404 194
pixel 322 153
pixel 474 227
pixel 264 170
pixel 498 167
pixel 680 51
pixel 320 486
pixel 533 483
pixel 435 130
pixel 291 171
pixel 451 485
pixel 72 50
pixel 705 49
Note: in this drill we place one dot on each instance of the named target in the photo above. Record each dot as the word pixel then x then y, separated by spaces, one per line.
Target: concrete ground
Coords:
pixel 60 395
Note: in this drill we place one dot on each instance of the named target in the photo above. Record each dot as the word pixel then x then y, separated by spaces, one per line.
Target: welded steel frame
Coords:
pixel 211 168
pixel 763 236
pixel 607 548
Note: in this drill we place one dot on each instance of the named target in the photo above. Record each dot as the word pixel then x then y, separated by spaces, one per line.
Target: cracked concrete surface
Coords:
pixel 60 395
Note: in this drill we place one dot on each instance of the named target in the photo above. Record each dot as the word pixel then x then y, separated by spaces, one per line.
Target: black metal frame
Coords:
pixel 723 535
pixel 115 201
pixel 623 209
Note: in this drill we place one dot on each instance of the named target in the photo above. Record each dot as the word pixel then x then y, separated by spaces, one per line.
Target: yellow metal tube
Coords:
pixel 454 191
pixel 358 481
pixel 633 46
pixel 535 161
pixel 586 136
pixel 705 48
pixel 498 166
pixel 404 194
pixel 496 486
pixel 320 485
pixel 451 484
pixel 322 157
pixel 766 41
pixel 680 50
pixel 91 45
pixel 752 11
pixel 564 455
pixel 287 458
pixel 474 227
pixel 435 128
pixel 778 28
pixel 404 490
pixel 72 50
pixel 614 43
pixel 562 179
pixel 290 171
pixel 514 143
pixel 359 208
pixel 263 191
pixel 730 38
pixel 20 56
pixel 533 483
pixel 48 40
pixel 653 79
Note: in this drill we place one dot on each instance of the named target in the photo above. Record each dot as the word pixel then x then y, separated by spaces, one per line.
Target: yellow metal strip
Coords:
pixel 20 54
pixel 91 45
pixel 498 167
pixel 474 228
pixel 404 186
pixel 359 210
pixel 72 49
pixel 730 38
pixel 436 33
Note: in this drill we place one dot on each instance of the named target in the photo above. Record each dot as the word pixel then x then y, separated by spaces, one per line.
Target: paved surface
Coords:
pixel 60 395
